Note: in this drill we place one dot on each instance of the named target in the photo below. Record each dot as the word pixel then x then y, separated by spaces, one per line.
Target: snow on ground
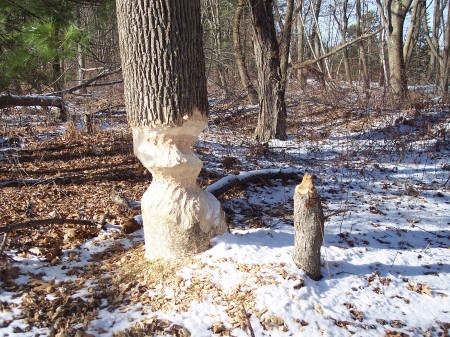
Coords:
pixel 386 259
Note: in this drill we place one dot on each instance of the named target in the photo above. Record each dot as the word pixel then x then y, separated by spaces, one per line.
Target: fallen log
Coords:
pixel 228 182
pixel 8 100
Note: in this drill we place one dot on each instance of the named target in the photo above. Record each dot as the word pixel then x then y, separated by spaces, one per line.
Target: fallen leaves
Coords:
pixel 421 288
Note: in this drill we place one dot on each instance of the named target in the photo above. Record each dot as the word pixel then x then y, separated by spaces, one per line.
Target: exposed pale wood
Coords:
pixel 309 227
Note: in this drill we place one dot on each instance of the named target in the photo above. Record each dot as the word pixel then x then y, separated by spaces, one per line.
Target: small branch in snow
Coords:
pixel 228 182
pixel 249 324
pixel 326 217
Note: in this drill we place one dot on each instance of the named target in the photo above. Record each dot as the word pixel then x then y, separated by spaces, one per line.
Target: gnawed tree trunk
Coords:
pixel 309 227
pixel 271 91
pixel 239 55
pixel 167 107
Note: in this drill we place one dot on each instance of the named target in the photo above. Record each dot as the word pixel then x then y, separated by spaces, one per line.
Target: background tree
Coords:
pixel 271 91
pixel 239 54
pixel 37 38
pixel 440 59
pixel 393 18
pixel 167 107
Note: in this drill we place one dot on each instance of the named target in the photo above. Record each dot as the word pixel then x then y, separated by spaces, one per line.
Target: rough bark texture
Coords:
pixel 165 94
pixel 272 106
pixel 162 60
pixel 309 227
pixel 239 55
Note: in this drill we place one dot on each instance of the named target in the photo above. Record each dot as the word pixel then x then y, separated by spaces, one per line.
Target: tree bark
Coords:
pixel 285 42
pixel 393 18
pixel 309 227
pixel 361 50
pixel 413 30
pixel 167 107
pixel 300 44
pixel 239 55
pixel 271 92
pixel 342 22
pixel 442 57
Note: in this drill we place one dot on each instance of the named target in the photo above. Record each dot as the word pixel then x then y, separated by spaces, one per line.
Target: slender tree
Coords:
pixel 240 56
pixel 271 91
pixel 167 107
pixel 441 52
pixel 393 18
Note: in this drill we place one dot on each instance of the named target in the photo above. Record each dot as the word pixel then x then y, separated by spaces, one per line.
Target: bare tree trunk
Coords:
pixel 285 41
pixel 442 57
pixel 315 37
pixel 309 227
pixel 361 50
pixel 80 55
pixel 239 55
pixel 437 16
pixel 413 30
pixel 444 60
pixel 272 105
pixel 342 22
pixel 393 18
pixel 165 94
pixel 300 44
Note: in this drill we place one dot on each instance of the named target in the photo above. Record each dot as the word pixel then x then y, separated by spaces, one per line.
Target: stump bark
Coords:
pixel 309 227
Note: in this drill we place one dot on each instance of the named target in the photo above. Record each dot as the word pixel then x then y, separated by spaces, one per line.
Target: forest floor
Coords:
pixel 383 175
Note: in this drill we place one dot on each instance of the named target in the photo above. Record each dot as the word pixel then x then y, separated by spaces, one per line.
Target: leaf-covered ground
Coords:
pixel 383 175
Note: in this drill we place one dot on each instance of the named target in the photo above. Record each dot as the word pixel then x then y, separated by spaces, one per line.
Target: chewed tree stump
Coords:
pixel 309 227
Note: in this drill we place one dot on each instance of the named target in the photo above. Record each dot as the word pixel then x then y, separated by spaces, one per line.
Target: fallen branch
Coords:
pixel 32 223
pixel 309 63
pixel 249 323
pixel 327 216
pixel 227 183
pixel 88 82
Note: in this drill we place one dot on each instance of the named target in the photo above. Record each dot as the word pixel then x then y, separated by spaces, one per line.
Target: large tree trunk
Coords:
pixel 309 227
pixel 167 107
pixel 271 91
pixel 239 55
